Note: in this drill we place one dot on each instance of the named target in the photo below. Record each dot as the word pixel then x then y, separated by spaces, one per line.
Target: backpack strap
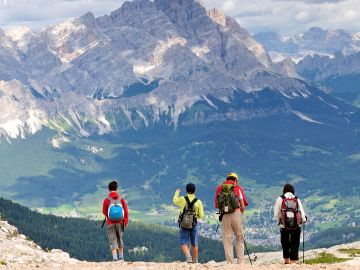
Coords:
pixel 190 204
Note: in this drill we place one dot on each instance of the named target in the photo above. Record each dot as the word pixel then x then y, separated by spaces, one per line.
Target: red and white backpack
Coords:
pixel 290 214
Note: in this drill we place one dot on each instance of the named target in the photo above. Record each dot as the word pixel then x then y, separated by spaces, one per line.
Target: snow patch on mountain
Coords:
pixel 19 116
pixel 58 141
pixel 60 33
pixel 21 36
pixel 201 51
pixel 209 102
pixel 143 68
pixel 142 116
pixel 306 118
pixel 68 57
pixel 163 46
pixel 225 99
pixel 182 104
pixel 332 105
pixel 103 125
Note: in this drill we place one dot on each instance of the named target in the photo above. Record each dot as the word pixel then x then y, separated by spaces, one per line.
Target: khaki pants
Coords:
pixel 232 224
pixel 115 236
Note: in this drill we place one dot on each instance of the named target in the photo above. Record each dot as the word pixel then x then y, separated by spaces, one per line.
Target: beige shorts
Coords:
pixel 115 236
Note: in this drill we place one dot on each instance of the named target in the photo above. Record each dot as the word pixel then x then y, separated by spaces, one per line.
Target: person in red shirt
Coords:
pixel 115 228
pixel 232 222
pixel 232 178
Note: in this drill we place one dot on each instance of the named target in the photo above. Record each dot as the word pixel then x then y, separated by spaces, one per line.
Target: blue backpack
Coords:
pixel 116 210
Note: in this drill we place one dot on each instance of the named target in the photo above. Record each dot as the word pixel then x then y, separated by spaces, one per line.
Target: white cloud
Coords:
pixel 228 6
pixel 302 16
pixel 292 16
pixel 284 16
pixel 40 13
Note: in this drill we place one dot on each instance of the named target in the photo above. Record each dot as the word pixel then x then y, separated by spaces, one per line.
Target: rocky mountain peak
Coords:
pixel 217 16
pixel 88 19
pixel 129 7
pixel 164 50
pixel 177 4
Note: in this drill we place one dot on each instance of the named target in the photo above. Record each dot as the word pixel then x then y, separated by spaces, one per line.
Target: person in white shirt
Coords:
pixel 289 215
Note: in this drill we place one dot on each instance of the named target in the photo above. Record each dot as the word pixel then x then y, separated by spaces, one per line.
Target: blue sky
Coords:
pixel 284 16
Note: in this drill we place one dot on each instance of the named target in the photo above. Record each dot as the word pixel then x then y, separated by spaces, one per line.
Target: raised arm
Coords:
pixel 176 198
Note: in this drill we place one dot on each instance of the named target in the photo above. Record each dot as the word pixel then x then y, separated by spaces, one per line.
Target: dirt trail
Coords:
pixel 177 266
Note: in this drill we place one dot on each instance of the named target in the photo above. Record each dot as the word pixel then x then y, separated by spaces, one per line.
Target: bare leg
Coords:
pixel 195 254
pixel 114 254
pixel 185 250
pixel 121 253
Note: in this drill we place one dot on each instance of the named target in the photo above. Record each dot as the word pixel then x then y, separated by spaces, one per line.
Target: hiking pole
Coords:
pixel 247 251
pixel 304 243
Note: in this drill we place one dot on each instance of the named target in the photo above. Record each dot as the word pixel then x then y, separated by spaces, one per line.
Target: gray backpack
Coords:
pixel 187 219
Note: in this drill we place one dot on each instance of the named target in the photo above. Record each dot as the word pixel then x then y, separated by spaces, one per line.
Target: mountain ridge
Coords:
pixel 324 42
pixel 195 55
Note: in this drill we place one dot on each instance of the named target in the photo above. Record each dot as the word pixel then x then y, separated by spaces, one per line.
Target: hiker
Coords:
pixel 289 215
pixel 191 209
pixel 116 214
pixel 231 201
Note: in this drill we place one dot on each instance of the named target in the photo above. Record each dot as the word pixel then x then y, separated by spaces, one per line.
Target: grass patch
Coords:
pixel 326 258
pixel 352 252
pixel 331 204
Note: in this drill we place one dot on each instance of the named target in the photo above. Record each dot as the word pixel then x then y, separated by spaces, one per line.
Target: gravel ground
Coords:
pixel 176 266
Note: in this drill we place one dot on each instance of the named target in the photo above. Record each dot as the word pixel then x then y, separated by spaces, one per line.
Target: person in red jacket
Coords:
pixel 115 228
pixel 231 178
pixel 232 221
